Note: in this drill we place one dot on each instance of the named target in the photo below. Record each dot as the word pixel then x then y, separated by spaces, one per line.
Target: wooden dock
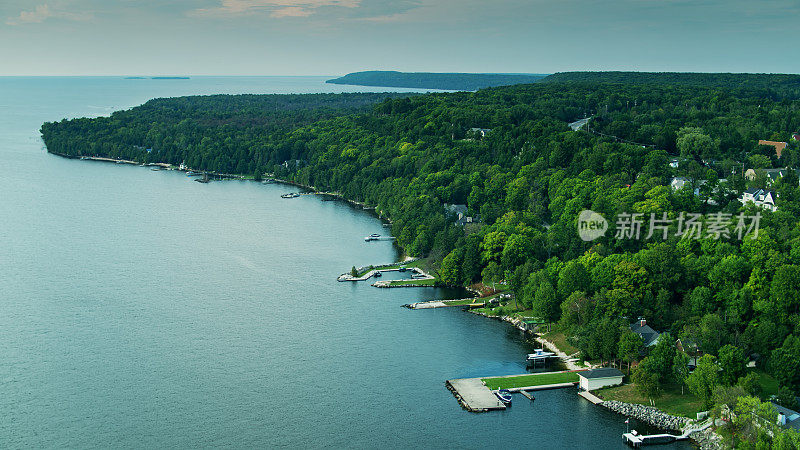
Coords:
pixel 473 395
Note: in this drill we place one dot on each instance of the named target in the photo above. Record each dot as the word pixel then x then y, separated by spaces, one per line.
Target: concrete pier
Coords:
pixel 473 395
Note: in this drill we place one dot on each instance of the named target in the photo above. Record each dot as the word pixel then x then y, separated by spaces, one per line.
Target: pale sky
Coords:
pixel 332 37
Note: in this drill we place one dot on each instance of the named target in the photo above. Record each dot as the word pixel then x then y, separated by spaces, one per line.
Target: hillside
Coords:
pixel 774 85
pixel 444 81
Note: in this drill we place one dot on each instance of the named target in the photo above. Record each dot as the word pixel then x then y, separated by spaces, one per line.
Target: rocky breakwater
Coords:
pixel 702 435
pixel 648 414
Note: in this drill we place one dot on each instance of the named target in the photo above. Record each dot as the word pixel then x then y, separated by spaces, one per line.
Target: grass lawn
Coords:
pixel 464 302
pixel 769 385
pixel 560 340
pixel 427 282
pixel 671 402
pixel 535 379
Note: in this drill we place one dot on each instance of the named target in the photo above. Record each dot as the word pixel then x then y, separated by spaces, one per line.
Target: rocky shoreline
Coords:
pixel 705 438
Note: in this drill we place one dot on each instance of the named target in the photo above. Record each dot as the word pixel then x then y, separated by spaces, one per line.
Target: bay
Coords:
pixel 141 309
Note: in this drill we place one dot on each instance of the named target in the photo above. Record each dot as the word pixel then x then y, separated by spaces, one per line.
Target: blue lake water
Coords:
pixel 142 309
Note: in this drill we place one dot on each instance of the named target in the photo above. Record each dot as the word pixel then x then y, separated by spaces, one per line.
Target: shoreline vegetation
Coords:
pixel 488 186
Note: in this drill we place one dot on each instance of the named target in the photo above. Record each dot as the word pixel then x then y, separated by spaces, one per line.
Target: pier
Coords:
pixel 473 395
pixel 637 440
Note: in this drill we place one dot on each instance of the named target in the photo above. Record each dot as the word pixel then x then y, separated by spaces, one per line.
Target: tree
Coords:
pixel 630 345
pixel 785 363
pixel 354 272
pixel 545 303
pixel 680 369
pixel 450 271
pixel 704 379
pixel 733 364
pixel 647 381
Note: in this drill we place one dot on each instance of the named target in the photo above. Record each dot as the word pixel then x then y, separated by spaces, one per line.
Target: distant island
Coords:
pixel 157 78
pixel 444 81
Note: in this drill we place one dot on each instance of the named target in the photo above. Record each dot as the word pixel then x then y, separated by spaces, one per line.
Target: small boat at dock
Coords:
pixel 372 237
pixel 504 395
pixel 290 195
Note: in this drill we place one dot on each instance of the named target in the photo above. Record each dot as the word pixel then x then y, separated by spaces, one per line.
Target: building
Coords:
pixel 482 132
pixel 649 336
pixel 590 380
pixel 773 175
pixel 461 213
pixel 760 197
pixel 787 418
pixel 779 146
pixel 674 163
pixel 679 183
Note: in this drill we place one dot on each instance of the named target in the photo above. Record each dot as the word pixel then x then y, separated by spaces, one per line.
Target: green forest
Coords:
pixel 425 80
pixel 526 179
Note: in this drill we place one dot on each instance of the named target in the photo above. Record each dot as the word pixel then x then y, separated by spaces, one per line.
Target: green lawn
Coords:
pixel 534 379
pixel 426 282
pixel 560 340
pixel 671 402
pixel 769 385
pixel 464 302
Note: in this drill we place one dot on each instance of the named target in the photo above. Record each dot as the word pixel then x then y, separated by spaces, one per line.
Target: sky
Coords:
pixel 334 37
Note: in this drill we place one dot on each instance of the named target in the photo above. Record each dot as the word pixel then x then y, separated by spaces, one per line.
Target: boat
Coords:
pixel 290 195
pixel 402 269
pixel 378 274
pixel 155 169
pixel 504 395
pixel 372 237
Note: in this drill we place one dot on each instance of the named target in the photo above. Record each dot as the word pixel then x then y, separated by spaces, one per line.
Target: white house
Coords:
pixel 590 380
pixel 678 183
pixel 760 197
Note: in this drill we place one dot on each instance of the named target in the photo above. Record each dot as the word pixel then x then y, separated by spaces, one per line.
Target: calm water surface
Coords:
pixel 142 309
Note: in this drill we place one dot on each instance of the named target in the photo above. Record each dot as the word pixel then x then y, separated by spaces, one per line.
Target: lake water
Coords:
pixel 142 309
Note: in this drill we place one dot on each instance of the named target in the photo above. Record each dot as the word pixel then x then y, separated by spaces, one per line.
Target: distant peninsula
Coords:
pixel 427 80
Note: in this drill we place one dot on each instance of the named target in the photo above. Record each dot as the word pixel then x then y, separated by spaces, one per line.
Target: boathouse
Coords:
pixel 590 380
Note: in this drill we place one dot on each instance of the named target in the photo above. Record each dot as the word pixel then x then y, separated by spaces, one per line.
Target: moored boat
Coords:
pixel 504 395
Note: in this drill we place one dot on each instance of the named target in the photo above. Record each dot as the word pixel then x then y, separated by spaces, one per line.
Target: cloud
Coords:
pixel 44 12
pixel 276 8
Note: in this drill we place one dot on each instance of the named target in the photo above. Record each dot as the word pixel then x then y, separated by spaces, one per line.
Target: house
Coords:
pixel 760 197
pixel 589 380
pixel 679 183
pixel 482 132
pixel 773 175
pixel 460 212
pixel 779 146
pixel 787 418
pixel 182 166
pixel 649 336
pixel 674 162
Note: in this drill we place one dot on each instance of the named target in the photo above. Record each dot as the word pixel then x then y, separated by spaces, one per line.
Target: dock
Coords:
pixel 527 395
pixel 444 304
pixel 637 440
pixel 473 395
pixel 591 397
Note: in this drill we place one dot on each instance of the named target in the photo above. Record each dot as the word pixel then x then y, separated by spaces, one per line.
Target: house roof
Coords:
pixel 605 372
pixel 457 209
pixel 779 146
pixel 792 417
pixel 648 334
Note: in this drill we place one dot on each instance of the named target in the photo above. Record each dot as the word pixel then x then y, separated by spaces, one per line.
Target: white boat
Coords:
pixel 372 237
pixel 539 355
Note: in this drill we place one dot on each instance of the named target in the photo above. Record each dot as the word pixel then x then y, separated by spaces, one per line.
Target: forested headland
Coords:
pixel 527 176
pixel 443 81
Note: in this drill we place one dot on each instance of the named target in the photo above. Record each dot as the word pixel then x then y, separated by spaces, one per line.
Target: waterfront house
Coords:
pixel 590 380
pixel 760 197
pixel 649 336
pixel 787 418
pixel 779 146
